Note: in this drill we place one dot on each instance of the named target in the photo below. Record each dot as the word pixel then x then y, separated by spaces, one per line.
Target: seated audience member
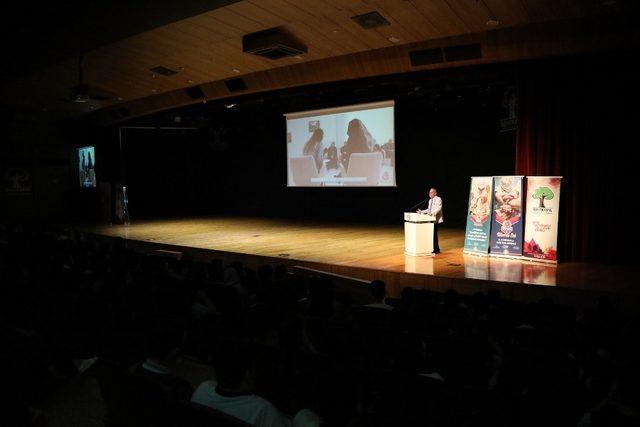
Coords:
pixel 377 288
pixel 321 297
pixel 331 154
pixel 201 304
pixel 280 273
pixel 378 149
pixel 157 367
pixel 315 147
pixel 232 392
pixel 337 401
pixel 359 141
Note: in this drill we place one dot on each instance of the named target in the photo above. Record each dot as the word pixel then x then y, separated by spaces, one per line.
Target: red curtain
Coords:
pixel 577 118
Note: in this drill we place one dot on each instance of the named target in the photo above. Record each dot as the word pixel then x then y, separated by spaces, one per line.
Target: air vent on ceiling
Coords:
pixel 274 43
pixel 163 71
pixel 370 20
pixel 236 85
pixel 463 52
pixel 194 92
pixel 426 57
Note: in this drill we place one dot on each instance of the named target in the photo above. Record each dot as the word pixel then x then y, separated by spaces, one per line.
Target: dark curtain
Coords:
pixel 578 117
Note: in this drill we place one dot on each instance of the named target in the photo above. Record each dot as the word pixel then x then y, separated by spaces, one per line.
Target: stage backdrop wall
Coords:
pixel 576 119
pixel 237 166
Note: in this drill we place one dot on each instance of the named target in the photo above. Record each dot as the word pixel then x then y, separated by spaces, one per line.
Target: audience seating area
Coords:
pixel 94 334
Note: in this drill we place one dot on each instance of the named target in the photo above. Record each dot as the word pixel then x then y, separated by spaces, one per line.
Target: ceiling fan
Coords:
pixel 81 93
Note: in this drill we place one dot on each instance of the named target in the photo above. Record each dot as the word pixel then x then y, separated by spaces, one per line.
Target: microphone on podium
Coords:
pixel 416 205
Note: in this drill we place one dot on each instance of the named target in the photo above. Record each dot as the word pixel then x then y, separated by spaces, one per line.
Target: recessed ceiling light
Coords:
pixel 394 39
pixel 230 105
pixel 190 82
pixel 492 23
pixel 298 57
pixel 235 70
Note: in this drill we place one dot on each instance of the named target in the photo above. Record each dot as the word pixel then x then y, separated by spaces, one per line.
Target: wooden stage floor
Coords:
pixel 376 251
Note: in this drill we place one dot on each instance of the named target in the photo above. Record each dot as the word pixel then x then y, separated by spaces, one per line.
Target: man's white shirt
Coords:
pixel 435 208
pixel 249 408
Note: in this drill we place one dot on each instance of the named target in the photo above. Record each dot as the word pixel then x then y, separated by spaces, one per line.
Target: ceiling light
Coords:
pixel 235 70
pixel 229 106
pixel 492 23
pixel 394 39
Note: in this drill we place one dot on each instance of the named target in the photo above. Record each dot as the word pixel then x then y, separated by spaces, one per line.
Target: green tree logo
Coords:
pixel 543 193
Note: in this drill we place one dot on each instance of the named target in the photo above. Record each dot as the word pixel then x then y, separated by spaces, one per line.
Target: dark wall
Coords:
pixel 37 154
pixel 164 171
pixel 447 129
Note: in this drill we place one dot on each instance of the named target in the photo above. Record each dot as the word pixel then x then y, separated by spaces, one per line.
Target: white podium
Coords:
pixel 418 234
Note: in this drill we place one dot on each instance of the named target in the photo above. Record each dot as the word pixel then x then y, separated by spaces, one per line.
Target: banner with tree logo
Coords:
pixel 476 236
pixel 506 223
pixel 541 228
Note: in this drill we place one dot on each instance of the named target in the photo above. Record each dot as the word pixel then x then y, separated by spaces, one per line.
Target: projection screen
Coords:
pixel 352 146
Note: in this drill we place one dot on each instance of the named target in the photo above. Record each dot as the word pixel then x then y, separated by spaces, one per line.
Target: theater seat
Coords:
pixel 302 170
pixel 368 165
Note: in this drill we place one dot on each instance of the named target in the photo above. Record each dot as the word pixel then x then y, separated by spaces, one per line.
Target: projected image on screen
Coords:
pixel 346 146
pixel 87 167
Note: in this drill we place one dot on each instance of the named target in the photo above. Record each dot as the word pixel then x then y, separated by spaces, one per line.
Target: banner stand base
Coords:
pixel 504 256
pixel 481 254
pixel 542 261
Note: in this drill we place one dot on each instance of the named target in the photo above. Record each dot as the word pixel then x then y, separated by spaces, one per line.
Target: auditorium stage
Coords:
pixel 377 252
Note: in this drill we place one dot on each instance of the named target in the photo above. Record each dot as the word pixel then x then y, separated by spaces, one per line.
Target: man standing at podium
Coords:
pixel 434 208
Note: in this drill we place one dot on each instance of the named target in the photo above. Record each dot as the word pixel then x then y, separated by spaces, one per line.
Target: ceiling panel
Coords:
pixel 207 47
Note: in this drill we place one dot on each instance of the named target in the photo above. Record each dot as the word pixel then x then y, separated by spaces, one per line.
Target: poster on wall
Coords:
pixel 16 180
pixel 87 167
pixel 506 222
pixel 541 229
pixel 476 236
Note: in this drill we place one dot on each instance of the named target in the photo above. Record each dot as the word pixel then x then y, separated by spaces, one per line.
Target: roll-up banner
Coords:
pixel 476 236
pixel 506 221
pixel 542 206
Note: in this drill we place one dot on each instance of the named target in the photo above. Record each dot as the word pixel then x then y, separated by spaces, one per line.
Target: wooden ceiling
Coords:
pixel 206 48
